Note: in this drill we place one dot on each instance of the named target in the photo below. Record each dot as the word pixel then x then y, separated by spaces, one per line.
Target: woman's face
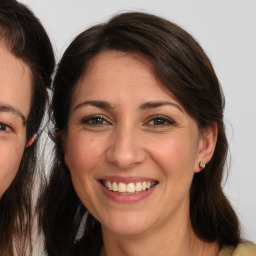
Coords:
pixel 15 91
pixel 131 148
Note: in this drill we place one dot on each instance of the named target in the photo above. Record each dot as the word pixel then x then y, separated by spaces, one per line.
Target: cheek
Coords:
pixel 175 158
pixel 84 158
pixel 10 158
pixel 82 153
pixel 174 153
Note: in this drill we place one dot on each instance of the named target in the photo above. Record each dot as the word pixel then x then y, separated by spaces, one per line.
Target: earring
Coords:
pixel 31 141
pixel 201 164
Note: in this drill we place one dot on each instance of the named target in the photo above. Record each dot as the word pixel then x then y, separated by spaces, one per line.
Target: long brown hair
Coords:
pixel 181 65
pixel 27 40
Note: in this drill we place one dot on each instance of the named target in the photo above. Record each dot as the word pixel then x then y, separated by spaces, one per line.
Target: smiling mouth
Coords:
pixel 129 188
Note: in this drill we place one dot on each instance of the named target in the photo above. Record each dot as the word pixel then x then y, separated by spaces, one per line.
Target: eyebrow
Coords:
pixel 144 106
pixel 95 103
pixel 12 110
pixel 157 104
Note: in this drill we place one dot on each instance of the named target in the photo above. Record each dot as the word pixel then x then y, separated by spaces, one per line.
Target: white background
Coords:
pixel 226 29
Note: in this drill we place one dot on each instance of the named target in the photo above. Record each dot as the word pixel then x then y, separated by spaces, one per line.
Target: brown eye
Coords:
pixel 4 127
pixel 94 120
pixel 161 121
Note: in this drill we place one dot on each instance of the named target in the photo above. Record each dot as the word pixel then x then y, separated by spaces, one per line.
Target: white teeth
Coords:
pixel 144 185
pixel 128 188
pixel 115 187
pixel 109 185
pixel 122 187
pixel 138 186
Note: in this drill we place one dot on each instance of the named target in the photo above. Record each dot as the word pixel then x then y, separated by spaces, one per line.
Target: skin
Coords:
pixel 15 91
pixel 131 137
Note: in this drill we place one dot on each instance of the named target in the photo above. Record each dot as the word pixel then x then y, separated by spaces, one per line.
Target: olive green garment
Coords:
pixel 243 249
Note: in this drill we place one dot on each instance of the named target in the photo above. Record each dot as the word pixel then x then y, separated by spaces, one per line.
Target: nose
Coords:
pixel 124 150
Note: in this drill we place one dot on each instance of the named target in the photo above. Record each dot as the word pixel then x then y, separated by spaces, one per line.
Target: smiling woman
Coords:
pixel 26 65
pixel 14 109
pixel 140 146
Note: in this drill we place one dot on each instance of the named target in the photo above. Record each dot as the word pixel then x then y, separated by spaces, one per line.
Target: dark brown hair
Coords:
pixel 181 65
pixel 27 40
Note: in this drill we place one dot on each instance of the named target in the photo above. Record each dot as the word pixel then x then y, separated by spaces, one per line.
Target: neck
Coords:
pixel 178 240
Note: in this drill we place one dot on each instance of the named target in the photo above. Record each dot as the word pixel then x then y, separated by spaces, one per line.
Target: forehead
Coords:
pixel 15 81
pixel 121 74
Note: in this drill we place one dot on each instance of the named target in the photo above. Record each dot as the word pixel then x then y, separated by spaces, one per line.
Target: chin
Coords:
pixel 126 224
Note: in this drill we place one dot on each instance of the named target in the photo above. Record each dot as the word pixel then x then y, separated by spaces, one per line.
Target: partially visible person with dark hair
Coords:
pixel 140 147
pixel 26 65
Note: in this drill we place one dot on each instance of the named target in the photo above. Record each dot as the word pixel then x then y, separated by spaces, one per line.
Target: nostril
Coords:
pixel 125 157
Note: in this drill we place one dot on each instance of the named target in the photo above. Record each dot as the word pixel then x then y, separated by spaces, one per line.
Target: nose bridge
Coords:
pixel 125 150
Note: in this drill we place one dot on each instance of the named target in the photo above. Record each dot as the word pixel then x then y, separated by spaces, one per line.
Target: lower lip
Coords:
pixel 133 198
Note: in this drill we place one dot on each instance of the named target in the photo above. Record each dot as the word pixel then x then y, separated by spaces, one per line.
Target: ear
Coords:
pixel 206 146
pixel 65 154
pixel 62 137
pixel 31 141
